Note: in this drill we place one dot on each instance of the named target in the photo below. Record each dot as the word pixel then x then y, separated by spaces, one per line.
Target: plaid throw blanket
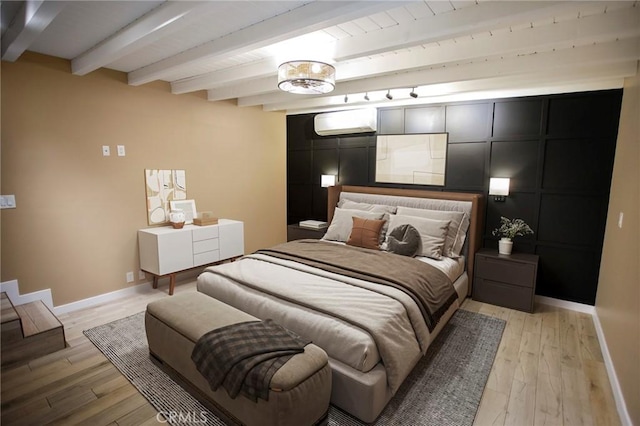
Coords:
pixel 244 357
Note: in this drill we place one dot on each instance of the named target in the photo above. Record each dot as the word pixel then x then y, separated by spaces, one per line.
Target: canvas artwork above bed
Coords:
pixel 393 267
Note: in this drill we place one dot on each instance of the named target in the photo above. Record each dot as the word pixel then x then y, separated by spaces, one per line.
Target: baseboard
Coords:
pixel 13 291
pixel 621 405
pixel 572 306
pixel 143 288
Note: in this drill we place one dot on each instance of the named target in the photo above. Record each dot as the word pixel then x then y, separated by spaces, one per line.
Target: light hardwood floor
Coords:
pixel 548 371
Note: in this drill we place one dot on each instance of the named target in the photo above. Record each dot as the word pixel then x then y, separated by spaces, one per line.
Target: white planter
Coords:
pixel 504 246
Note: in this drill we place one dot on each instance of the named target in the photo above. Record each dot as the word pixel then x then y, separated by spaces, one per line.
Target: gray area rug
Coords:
pixel 443 389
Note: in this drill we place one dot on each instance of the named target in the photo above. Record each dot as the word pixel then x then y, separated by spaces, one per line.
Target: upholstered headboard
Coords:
pixel 472 204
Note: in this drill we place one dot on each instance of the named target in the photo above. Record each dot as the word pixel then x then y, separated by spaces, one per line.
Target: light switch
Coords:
pixel 7 201
pixel 620 220
pixel 106 151
pixel 121 152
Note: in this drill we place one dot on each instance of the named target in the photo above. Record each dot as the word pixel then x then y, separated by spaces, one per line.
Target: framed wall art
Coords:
pixel 162 187
pixel 411 159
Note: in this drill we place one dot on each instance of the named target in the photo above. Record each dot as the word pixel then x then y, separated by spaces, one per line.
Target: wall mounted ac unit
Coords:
pixel 346 122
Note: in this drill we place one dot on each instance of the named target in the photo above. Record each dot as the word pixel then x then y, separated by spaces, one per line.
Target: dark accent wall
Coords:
pixel 558 151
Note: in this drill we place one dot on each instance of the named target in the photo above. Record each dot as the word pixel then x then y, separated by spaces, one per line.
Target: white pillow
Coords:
pixel 342 222
pixel 432 233
pixel 376 208
pixel 457 232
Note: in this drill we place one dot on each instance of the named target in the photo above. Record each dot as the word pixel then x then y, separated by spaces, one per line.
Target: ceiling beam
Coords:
pixel 588 30
pixel 614 25
pixel 141 32
pixel 487 11
pixel 603 53
pixel 475 19
pixel 256 69
pixel 304 19
pixel 30 21
pixel 564 77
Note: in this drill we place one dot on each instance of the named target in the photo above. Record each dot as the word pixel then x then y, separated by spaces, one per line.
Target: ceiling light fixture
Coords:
pixel 388 95
pixel 346 99
pixel 306 77
pixel 413 93
pixel 366 96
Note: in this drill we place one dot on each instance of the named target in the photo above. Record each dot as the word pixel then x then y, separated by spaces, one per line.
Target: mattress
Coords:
pixel 341 340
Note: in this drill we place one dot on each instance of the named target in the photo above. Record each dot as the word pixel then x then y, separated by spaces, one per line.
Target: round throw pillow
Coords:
pixel 404 240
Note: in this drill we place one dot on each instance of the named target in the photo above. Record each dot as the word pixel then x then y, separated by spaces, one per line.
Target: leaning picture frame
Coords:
pixel 187 206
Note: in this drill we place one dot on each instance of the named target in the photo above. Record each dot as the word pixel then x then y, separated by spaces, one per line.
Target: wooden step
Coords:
pixel 41 333
pixel 7 311
pixel 11 329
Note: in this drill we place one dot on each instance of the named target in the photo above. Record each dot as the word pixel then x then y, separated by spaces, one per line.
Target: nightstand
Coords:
pixel 508 281
pixel 297 232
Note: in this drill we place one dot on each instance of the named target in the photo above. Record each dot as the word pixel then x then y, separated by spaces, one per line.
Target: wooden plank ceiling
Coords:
pixel 446 50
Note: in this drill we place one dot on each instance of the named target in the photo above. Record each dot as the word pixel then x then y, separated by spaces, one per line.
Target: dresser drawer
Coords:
pixel 501 294
pixel 206 245
pixel 206 257
pixel 205 233
pixel 506 271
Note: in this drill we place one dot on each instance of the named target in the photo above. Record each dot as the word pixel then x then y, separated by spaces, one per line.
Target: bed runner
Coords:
pixel 243 357
pixel 429 287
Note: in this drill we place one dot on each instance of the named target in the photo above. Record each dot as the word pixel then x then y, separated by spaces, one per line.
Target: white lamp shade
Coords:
pixel 499 186
pixel 327 180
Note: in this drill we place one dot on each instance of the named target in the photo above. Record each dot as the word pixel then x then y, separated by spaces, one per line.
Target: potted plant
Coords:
pixel 509 229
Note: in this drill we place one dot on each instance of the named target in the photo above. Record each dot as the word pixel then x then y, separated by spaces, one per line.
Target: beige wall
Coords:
pixel 74 230
pixel 618 298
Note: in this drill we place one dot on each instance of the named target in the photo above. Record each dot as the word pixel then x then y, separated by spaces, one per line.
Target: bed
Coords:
pixel 351 299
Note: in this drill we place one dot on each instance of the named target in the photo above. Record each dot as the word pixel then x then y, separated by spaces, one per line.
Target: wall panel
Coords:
pixel 557 149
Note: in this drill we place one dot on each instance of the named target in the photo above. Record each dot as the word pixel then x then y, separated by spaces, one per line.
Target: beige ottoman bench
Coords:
pixel 299 391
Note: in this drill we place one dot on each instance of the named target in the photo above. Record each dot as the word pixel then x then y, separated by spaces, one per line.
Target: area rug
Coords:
pixel 444 388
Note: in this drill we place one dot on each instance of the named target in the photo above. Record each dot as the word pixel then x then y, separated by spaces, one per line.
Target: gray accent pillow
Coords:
pixel 404 240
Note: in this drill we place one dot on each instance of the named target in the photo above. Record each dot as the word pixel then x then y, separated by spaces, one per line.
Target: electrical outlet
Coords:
pixel 129 277
pixel 106 151
pixel 121 152
pixel 142 275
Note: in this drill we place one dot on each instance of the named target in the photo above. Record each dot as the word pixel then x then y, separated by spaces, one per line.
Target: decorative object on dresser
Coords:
pixel 508 281
pixel 187 206
pixel 297 232
pixel 509 229
pixel 205 218
pixel 177 217
pixel 165 251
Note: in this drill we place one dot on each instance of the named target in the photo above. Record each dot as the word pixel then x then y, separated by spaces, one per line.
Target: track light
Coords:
pixel 388 95
pixel 346 99
pixel 413 93
pixel 366 96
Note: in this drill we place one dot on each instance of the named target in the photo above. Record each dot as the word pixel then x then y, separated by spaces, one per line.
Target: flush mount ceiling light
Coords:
pixel 306 77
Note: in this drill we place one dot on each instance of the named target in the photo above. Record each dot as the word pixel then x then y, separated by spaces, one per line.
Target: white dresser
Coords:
pixel 165 251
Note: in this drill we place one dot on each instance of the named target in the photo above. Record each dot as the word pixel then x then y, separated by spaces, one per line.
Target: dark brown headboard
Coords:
pixel 474 239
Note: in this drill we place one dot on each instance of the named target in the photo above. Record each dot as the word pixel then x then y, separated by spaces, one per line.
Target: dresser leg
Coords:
pixel 155 281
pixel 172 283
